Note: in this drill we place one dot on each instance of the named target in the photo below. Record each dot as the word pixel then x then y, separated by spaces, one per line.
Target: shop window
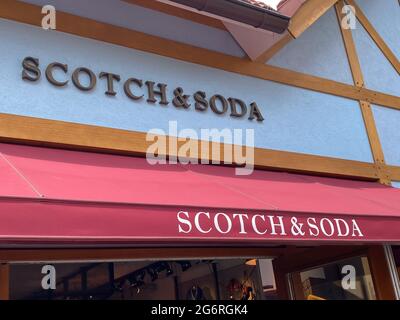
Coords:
pixel 348 279
pixel 211 279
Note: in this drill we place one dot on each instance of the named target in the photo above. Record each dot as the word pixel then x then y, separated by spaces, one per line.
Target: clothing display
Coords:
pixel 195 293
pixel 248 294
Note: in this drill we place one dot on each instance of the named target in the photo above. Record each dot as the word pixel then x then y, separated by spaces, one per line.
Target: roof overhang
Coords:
pixel 260 31
pixel 237 12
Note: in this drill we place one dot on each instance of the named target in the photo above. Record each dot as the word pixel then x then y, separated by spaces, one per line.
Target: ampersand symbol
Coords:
pixel 180 100
pixel 296 227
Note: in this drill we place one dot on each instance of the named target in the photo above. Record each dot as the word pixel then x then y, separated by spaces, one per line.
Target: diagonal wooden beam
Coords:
pixel 307 14
pixel 375 36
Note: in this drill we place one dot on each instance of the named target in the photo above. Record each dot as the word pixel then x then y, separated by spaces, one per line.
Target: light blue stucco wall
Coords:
pixel 295 119
pixel 379 74
pixel 388 125
pixel 123 14
pixel 396 184
pixel 318 51
pixel 385 17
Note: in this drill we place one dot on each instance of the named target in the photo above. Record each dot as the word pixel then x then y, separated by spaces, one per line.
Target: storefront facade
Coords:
pixel 96 184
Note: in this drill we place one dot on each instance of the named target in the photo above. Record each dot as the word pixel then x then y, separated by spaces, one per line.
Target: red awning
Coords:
pixel 60 196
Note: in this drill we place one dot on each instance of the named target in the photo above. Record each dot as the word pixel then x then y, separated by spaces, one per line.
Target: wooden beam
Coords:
pixel 375 143
pixel 270 52
pixel 309 12
pixel 311 164
pixel 369 121
pixel 4 281
pixel 350 47
pixel 375 36
pixel 380 273
pixel 394 173
pixel 281 281
pixel 178 12
pixel 68 135
pixel 31 14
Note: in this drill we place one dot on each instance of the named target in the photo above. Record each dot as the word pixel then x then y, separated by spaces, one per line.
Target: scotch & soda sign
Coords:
pixel 228 224
pixel 139 89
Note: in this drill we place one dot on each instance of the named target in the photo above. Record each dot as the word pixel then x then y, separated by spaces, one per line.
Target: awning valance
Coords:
pixel 59 196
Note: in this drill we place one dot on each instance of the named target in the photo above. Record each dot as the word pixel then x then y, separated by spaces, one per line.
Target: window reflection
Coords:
pixel 348 279
pixel 208 279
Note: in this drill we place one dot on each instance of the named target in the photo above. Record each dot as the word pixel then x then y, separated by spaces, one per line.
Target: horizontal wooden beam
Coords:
pixel 309 12
pixel 31 14
pixel 394 173
pixel 305 163
pixel 52 133
pixel 178 12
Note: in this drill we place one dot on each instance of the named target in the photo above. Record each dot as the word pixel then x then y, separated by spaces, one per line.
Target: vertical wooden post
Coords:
pixel 298 290
pixel 380 273
pixel 4 281
pixel 280 280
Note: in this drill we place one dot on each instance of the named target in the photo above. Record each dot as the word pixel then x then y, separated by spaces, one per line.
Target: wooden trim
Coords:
pixel 270 52
pixel 380 273
pixel 4 281
pixel 31 14
pixel 178 12
pixel 311 164
pixel 350 47
pixel 372 132
pixel 114 254
pixel 375 143
pixel 298 290
pixel 281 284
pixel 309 12
pixel 375 36
pixel 394 173
pixel 61 134
pixel 369 121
